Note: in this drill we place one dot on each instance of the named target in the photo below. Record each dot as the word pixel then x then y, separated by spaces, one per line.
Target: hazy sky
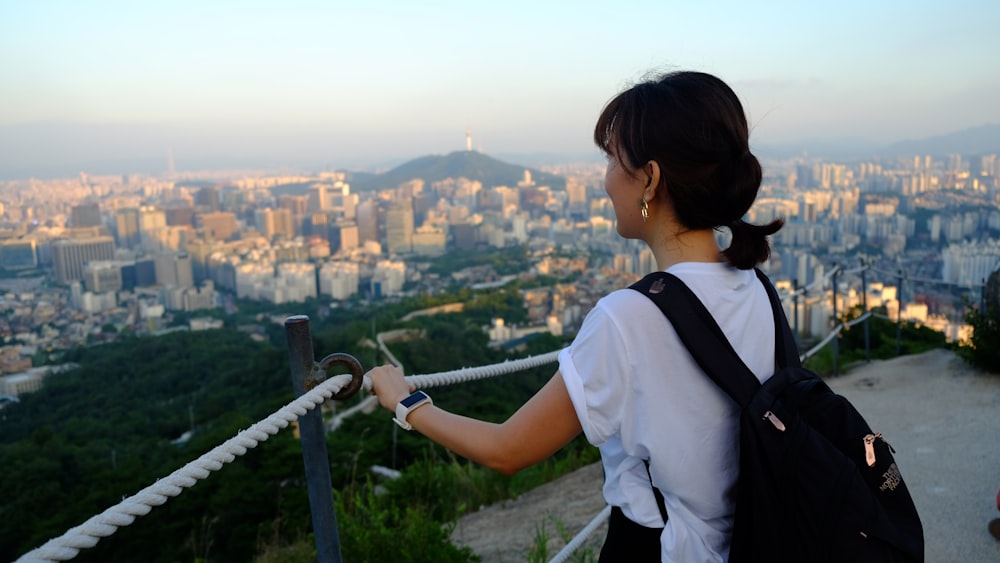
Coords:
pixel 349 83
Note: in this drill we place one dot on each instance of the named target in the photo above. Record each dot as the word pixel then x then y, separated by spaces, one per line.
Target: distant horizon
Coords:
pixel 156 165
pixel 358 85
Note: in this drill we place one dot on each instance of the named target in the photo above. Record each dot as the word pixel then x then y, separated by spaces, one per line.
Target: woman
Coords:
pixel 679 167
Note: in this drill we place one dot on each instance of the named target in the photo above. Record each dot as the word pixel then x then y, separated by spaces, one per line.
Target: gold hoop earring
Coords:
pixel 644 209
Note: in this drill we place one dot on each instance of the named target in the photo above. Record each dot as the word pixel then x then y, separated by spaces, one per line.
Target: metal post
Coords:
pixel 836 320
pixel 313 438
pixel 982 298
pixel 795 308
pixel 899 313
pixel 864 309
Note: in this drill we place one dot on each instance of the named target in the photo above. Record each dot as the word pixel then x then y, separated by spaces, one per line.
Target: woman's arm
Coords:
pixel 538 429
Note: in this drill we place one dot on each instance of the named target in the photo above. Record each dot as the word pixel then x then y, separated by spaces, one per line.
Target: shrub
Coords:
pixel 983 349
pixel 376 528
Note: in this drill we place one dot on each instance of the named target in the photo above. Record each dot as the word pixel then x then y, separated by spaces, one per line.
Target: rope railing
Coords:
pixel 587 531
pixel 86 535
pixel 89 533
pixel 819 346
pixel 817 282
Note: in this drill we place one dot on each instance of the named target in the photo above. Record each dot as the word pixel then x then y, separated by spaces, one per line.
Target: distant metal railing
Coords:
pixel 312 387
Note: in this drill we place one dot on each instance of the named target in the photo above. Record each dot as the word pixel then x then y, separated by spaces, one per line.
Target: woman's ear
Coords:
pixel 652 171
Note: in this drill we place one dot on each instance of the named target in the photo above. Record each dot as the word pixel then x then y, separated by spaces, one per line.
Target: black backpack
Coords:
pixel 815 483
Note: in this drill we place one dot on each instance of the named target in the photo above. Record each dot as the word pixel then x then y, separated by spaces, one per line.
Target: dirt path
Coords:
pixel 942 416
pixel 505 532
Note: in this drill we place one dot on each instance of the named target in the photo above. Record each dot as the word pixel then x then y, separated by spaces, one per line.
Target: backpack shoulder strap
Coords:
pixel 700 334
pixel 786 352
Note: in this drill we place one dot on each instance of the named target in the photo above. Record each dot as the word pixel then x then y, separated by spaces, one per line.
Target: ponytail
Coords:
pixel 693 126
pixel 750 246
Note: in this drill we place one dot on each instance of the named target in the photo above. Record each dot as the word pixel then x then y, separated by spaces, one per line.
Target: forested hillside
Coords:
pixel 110 427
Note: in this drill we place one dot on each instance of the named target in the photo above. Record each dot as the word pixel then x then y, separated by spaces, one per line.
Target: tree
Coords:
pixel 983 349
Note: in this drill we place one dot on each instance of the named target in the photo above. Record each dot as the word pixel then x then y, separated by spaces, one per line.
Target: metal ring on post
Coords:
pixel 353 366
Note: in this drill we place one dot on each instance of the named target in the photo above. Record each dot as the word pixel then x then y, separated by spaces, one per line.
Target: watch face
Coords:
pixel 413 399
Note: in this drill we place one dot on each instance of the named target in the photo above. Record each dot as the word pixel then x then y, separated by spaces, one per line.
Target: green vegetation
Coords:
pixel 539 552
pixel 983 350
pixel 882 342
pixel 472 165
pixel 105 430
pixel 108 429
pixel 373 526
pixel 505 261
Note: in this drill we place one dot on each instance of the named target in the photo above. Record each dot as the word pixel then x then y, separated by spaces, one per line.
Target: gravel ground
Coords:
pixel 941 416
pixel 943 419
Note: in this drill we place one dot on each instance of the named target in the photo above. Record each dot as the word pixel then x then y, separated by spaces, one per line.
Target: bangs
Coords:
pixel 605 131
pixel 621 128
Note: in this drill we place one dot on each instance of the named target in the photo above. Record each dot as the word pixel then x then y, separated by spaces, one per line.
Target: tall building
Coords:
pixel 349 206
pixel 343 236
pixel 151 221
pixel 318 225
pixel 102 276
pixel 141 273
pixel 284 223
pixel 577 190
pixel 367 221
pixel 263 220
pixel 127 228
pixel 174 270
pixel 465 234
pixel 219 226
pixel 17 254
pixel 180 216
pixel 429 240
pixel 318 200
pixel 422 204
pixel 85 215
pixel 339 280
pixel 207 199
pixel 297 204
pixel 388 278
pixel 69 256
pixel 399 227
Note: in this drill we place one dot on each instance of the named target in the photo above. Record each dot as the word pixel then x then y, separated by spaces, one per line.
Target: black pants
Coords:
pixel 628 541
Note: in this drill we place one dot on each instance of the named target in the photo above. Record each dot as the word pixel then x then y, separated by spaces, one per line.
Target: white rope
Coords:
pixel 387 472
pixel 812 351
pixel 581 537
pixel 819 281
pixel 853 322
pixel 464 375
pixel 482 372
pixel 363 405
pixel 87 535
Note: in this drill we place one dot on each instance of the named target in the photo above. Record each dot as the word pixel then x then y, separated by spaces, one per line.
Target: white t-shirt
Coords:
pixel 639 395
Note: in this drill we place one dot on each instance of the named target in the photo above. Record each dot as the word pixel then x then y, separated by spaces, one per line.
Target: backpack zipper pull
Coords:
pixel 870 450
pixel 870 447
pixel 770 417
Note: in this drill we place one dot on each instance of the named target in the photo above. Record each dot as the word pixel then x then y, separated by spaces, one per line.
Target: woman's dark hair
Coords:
pixel 693 126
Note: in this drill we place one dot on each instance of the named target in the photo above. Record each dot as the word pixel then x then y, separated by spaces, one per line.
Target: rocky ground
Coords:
pixel 942 417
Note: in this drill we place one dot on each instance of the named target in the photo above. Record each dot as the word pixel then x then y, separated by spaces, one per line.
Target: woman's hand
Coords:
pixel 389 385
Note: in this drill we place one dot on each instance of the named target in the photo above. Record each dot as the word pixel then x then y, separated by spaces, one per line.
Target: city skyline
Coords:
pixel 111 83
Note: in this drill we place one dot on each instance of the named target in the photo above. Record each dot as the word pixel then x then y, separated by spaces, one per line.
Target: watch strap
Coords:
pixel 411 403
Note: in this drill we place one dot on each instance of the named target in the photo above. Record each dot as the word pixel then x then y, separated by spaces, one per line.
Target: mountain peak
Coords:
pixel 472 165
